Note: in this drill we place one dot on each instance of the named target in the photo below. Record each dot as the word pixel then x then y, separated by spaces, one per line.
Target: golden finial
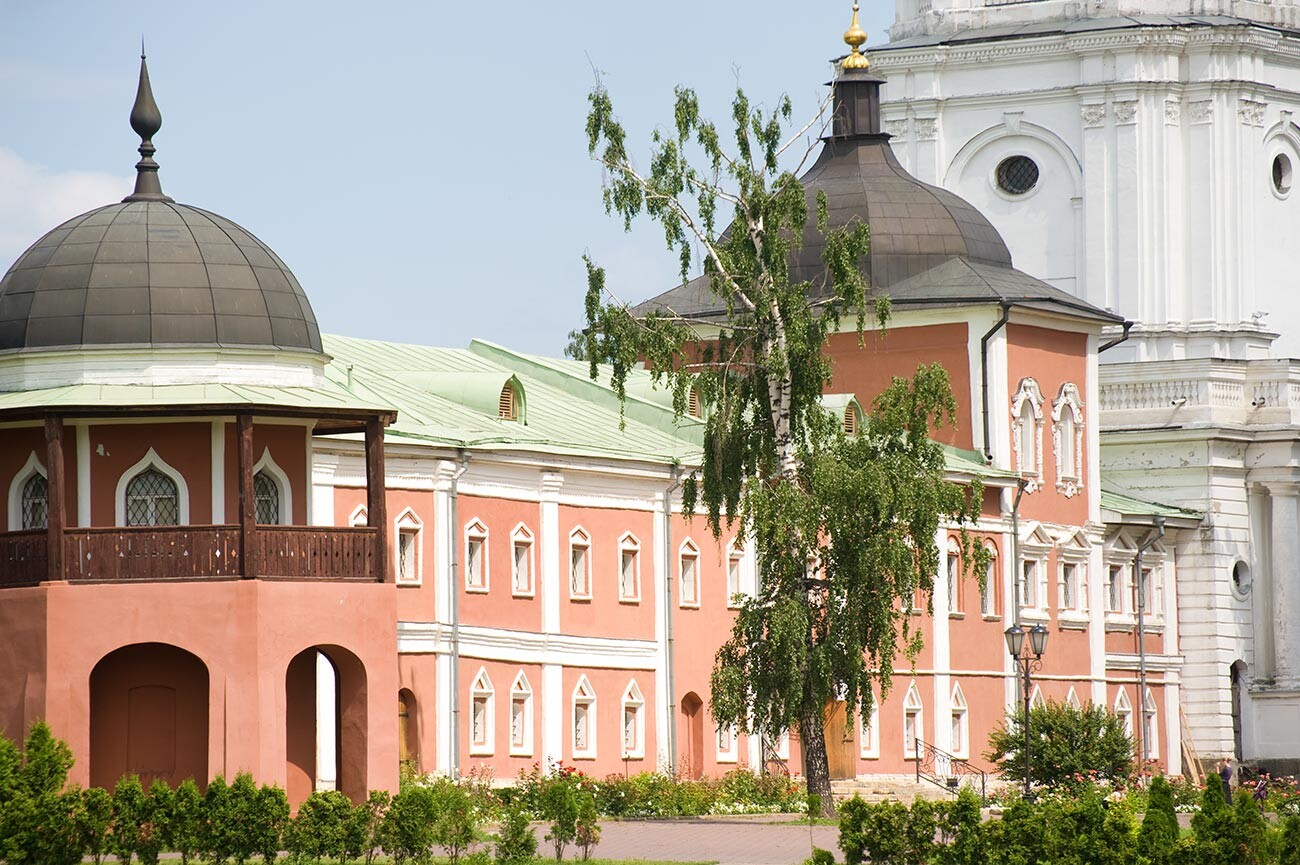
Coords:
pixel 854 37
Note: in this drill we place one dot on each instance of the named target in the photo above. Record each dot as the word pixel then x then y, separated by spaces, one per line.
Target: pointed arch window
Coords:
pixel 521 717
pixel 735 563
pixel 359 518
pixel 1072 698
pixel 913 722
pixel 629 569
pixel 952 566
pixel 152 499
pixel 960 726
pixel 1150 727
pixel 409 554
pixel 521 562
pixel 266 496
pixel 989 594
pixel 508 403
pixel 476 556
pixel 694 405
pixel 579 565
pixel 1027 413
pixel 1124 709
pixel 584 720
pixel 688 570
pixel 633 722
pixel 481 700
pixel 29 497
pixel 1036 700
pixel 869 732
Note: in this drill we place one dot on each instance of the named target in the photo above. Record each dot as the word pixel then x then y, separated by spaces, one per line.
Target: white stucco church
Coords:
pixel 1142 155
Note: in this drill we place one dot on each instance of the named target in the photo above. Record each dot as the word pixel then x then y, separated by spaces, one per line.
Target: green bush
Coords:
pixel 961 824
pixel 39 821
pixel 587 828
pixel 405 833
pixel 516 842
pixel 853 815
pixel 1288 841
pixel 559 806
pixel 94 818
pixel 364 826
pixel 318 830
pixel 1160 830
pixel 1070 745
pixel 455 824
pixel 186 824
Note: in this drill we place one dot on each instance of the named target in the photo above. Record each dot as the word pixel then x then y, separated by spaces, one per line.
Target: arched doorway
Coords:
pixel 1237 674
pixel 149 716
pixel 408 738
pixel 693 755
pixel 326 725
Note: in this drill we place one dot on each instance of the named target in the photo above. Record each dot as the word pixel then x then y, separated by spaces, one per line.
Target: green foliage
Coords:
pixel 39 821
pixel 853 814
pixel 94 819
pixel 406 831
pixel 865 508
pixel 186 824
pixel 516 844
pixel 560 806
pixel 318 830
pixel 1160 830
pixel 139 820
pixel 1068 746
pixel 365 824
pixel 587 827
pixel 272 818
pixel 1252 832
pixel 961 825
pixel 1288 841
pixel 456 824
pixel 820 857
pixel 240 821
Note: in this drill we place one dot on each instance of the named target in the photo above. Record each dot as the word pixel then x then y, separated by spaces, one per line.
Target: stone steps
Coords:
pixel 883 788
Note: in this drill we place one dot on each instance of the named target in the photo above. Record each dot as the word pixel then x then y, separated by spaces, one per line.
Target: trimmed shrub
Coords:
pixel 1070 745
pixel 1288 841
pixel 516 843
pixel 406 831
pixel 961 824
pixel 1160 830
pixel 94 818
pixel 559 805
pixel 455 826
pixel 364 826
pixel 317 832
pixel 186 824
pixel 853 815
pixel 587 828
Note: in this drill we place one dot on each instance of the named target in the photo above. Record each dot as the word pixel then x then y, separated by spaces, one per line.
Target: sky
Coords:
pixel 421 167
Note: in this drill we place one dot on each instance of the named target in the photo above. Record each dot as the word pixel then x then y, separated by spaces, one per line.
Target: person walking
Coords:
pixel 1261 789
pixel 1225 777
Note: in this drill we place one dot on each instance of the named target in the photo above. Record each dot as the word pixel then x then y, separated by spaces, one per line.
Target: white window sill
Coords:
pixel 525 751
pixel 632 601
pixel 689 605
pixel 480 750
pixel 1034 615
pixel 517 593
pixel 991 617
pixel 409 584
pixel 1073 620
pixel 636 755
pixel 957 615
pixel 477 590
pixel 874 755
pixel 1120 622
pixel 585 755
pixel 580 599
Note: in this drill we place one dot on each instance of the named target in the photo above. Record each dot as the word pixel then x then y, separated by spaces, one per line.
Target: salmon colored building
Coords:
pixel 234 545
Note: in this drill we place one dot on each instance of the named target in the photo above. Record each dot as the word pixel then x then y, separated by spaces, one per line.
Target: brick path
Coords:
pixel 729 841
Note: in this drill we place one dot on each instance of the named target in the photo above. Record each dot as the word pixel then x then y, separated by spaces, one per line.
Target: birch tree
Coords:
pixel 844 524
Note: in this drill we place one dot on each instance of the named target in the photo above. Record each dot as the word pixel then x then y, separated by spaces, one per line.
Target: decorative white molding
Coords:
pixel 926 128
pixel 1093 114
pixel 1125 112
pixel 527 647
pixel 268 464
pixel 152 460
pixel 897 128
pixel 1251 112
pixel 1028 393
pixel 521 692
pixel 33 466
pixel 410 522
pixel 1173 111
pixel 37 370
pixel 1201 111
pixel 1068 403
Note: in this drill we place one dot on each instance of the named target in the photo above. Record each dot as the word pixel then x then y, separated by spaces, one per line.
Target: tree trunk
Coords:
pixel 816 769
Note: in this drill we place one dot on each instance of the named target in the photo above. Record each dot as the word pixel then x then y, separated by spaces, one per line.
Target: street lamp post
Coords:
pixel 1028 656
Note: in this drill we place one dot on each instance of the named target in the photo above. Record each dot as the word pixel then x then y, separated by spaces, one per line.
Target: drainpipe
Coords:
pixel 1016 569
pixel 454 543
pixel 1117 340
pixel 669 682
pixel 984 378
pixel 1141 635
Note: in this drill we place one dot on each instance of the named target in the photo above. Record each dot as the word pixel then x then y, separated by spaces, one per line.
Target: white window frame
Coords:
pixel 688 550
pixel 1073 552
pixel 580 539
pixel 477 531
pixel 629 544
pixel 1124 709
pixel 633 701
pixel 583 695
pixel 992 582
pixel 481 690
pixel 1035 546
pixel 1121 552
pixel 1028 393
pixel 952 580
pixel 33 466
pixel 359 518
pixel 1067 425
pixel 521 692
pixel 410 525
pixel 151 460
pixel 268 464
pixel 735 574
pixel 869 732
pixel 522 537
pixel 1072 698
pixel 1150 727
pixel 1036 698
pixel 913 716
pixel 730 753
pixel 960 722
pixel 781 748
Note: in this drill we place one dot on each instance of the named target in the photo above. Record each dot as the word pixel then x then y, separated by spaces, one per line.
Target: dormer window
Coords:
pixel 851 419
pixel 508 403
pixel 694 405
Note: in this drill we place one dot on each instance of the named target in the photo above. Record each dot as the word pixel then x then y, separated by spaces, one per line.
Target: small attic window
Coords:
pixel 508 403
pixel 694 407
pixel 851 420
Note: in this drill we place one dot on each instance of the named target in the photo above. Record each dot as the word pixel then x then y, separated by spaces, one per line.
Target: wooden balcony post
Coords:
pixel 376 510
pixel 247 503
pixel 55 513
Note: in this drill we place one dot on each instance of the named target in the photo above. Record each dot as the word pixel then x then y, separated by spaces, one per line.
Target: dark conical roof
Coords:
pixel 151 272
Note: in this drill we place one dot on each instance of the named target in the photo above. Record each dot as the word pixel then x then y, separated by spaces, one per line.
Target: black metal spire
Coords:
pixel 146 120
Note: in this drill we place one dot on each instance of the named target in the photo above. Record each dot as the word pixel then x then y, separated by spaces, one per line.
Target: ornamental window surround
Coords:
pixel 913 722
pixel 482 739
pixel 579 565
pixel 1150 727
pixel 272 492
pixel 735 564
pixel 869 732
pixel 728 750
pixel 521 717
pixel 633 722
pixel 584 720
pixel 152 493
pixel 1027 437
pixel 522 584
pixel 477 563
pixel 1124 710
pixel 989 595
pixel 1072 580
pixel 960 728
pixel 1032 574
pixel 1072 698
pixel 410 561
pixel 688 571
pixel 1067 439
pixel 29 497
pixel 952 578
pixel 629 569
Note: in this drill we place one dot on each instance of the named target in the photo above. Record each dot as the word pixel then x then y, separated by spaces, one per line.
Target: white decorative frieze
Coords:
pixel 1201 111
pixel 1251 112
pixel 926 129
pixel 897 128
pixel 1173 111
pixel 1126 112
pixel 1093 115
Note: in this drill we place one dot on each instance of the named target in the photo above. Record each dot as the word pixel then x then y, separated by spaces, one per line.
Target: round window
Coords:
pixel 1282 173
pixel 1017 175
pixel 1241 577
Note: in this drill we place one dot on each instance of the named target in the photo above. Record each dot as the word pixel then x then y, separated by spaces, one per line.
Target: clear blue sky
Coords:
pixel 421 167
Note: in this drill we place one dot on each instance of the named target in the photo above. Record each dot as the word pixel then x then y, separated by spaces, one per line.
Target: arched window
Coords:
pixel 689 573
pixel 1124 709
pixel 266 495
pixel 913 722
pixel 629 569
pixel 960 730
pixel 952 567
pixel 633 722
pixel 152 499
pixel 989 596
pixel 584 720
pixel 476 556
pixel 508 402
pixel 521 562
pixel 36 502
pixel 694 405
pixel 1067 439
pixel 1026 410
pixel 521 717
pixel 482 733
pixel 410 564
pixel 579 565
pixel 1150 727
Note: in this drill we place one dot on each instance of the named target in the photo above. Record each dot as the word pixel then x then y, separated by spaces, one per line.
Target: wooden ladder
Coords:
pixel 1191 759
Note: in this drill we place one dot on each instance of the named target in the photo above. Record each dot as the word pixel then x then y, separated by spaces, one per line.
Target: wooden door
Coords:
pixel 840 755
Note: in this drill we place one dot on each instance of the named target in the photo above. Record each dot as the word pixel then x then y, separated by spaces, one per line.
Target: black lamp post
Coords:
pixel 1028 657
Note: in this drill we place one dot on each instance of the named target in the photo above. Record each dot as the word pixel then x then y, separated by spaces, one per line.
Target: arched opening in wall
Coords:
pixel 1237 677
pixel 408 733
pixel 326 726
pixel 693 757
pixel 149 716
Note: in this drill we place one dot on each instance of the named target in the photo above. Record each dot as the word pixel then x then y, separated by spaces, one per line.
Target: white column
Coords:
pixel 218 472
pixel 1283 581
pixel 1097 574
pixel 83 475
pixel 942 735
pixel 663 716
pixel 326 724
pixel 445 537
pixel 554 705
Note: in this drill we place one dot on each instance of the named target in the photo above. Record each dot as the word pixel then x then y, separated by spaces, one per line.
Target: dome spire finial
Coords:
pixel 146 120
pixel 854 37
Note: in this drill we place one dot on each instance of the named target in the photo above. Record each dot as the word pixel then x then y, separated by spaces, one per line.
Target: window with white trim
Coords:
pixel 36 502
pixel 409 559
pixel 633 722
pixel 521 562
pixel 960 728
pixel 913 722
pixel 1073 590
pixel 1072 698
pixel 735 562
pixel 476 557
pixel 1124 710
pixel 481 728
pixel 629 569
pixel 1027 411
pixel 359 518
pixel 688 570
pixel 1115 589
pixel 953 574
pixel 989 594
pixel 584 720
pixel 1036 700
pixel 778 747
pixel 579 565
pixel 521 717
pixel 1150 727
pixel 266 499
pixel 1029 582
pixel 152 499
pixel 728 748
pixel 869 732
pixel 1067 439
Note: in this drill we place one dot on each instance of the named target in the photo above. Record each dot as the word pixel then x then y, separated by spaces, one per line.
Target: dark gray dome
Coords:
pixel 153 273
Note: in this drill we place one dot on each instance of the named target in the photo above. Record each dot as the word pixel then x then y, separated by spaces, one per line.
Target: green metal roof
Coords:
pixel 107 396
pixel 1131 506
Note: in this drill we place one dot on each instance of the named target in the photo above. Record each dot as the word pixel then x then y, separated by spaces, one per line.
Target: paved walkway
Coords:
pixel 729 841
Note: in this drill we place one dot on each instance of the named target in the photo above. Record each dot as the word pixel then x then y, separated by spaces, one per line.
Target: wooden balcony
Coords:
pixel 186 553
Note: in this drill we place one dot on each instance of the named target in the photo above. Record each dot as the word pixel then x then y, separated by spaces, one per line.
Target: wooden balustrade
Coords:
pixel 163 553
pixel 23 558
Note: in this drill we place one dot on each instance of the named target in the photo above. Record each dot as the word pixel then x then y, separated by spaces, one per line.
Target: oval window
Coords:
pixel 1241 577
pixel 1282 173
pixel 1016 175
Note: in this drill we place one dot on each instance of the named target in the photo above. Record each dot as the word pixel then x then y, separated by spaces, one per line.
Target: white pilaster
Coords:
pixel 554 702
pixel 1286 590
pixel 555 709
pixel 218 442
pixel 941 648
pixel 83 474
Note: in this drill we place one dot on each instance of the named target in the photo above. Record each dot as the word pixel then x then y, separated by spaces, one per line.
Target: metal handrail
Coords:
pixel 947 771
